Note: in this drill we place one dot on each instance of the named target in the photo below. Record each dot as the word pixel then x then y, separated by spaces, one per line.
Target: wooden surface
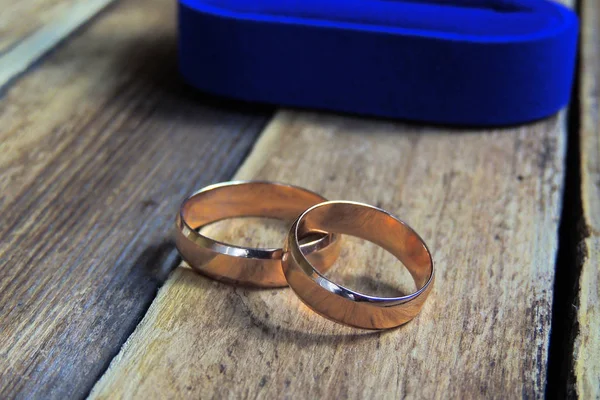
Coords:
pixel 20 19
pixel 100 142
pixel 98 145
pixel 29 29
pixel 487 203
pixel 587 341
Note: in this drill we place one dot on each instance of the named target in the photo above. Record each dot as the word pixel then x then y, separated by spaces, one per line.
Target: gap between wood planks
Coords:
pixel 574 366
pixel 569 261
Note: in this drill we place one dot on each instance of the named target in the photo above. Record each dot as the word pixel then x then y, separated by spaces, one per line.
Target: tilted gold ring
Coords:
pixel 242 265
pixel 339 303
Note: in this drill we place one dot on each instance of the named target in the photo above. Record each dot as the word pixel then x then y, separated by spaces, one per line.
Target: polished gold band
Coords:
pixel 242 265
pixel 339 303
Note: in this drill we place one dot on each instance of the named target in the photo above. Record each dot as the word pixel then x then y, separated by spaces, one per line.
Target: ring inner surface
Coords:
pixel 247 199
pixel 375 226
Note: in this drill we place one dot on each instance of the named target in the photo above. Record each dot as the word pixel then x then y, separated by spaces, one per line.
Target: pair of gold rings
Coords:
pixel 311 247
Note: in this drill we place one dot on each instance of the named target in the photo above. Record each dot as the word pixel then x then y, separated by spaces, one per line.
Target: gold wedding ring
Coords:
pixel 339 303
pixel 242 265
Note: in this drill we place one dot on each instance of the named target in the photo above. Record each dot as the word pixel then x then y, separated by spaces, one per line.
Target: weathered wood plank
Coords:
pixel 97 147
pixel 587 340
pixel 488 204
pixel 20 19
pixel 29 29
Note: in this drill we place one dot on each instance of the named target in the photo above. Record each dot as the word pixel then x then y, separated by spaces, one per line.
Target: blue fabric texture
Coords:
pixel 467 62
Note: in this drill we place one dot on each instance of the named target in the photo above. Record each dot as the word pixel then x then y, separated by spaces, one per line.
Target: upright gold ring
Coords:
pixel 243 265
pixel 344 305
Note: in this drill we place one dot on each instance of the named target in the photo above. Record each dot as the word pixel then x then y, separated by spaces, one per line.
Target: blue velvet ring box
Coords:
pixel 471 62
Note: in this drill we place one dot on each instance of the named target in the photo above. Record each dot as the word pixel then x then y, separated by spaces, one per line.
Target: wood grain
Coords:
pixel 19 19
pixel 29 29
pixel 488 204
pixel 97 147
pixel 587 341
